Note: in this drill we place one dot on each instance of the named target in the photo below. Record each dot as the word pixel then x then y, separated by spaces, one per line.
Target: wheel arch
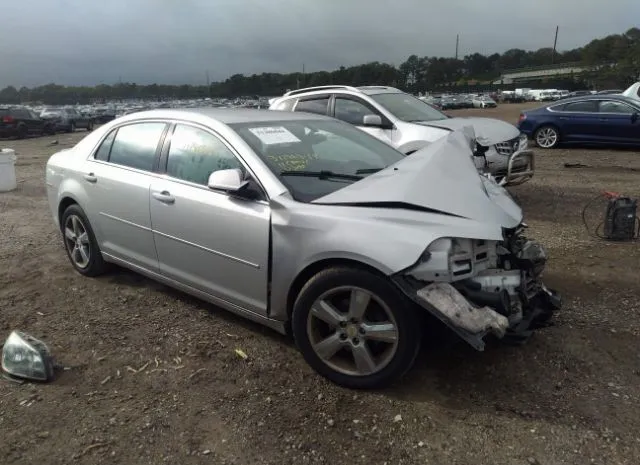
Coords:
pixel 65 202
pixel 316 267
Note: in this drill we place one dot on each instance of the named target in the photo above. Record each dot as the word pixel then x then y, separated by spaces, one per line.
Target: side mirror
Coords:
pixel 26 357
pixel 372 120
pixel 227 180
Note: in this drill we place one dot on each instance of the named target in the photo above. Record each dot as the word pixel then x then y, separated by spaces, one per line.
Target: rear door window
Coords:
pixel 135 145
pixel 588 106
pixel 317 105
pixel 20 113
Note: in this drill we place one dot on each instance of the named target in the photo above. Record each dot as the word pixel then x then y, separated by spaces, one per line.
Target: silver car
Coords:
pixel 409 124
pixel 305 224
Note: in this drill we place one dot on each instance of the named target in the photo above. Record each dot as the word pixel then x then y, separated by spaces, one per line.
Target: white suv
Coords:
pixel 410 124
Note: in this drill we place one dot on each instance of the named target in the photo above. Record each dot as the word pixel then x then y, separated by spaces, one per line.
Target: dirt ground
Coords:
pixel 153 377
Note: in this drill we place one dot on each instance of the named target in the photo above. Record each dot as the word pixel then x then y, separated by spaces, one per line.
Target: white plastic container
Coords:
pixel 7 170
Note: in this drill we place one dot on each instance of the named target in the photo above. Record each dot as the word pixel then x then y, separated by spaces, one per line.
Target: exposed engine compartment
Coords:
pixel 478 287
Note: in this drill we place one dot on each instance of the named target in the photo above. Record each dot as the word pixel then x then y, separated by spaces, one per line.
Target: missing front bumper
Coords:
pixel 473 323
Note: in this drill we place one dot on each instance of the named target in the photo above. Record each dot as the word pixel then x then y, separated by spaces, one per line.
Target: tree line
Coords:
pixel 617 58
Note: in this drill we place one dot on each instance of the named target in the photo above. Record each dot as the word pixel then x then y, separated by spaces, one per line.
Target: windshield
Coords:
pixel 408 108
pixel 313 158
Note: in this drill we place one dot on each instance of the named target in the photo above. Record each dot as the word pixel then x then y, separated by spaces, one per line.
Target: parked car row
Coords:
pixel 458 101
pixel 21 121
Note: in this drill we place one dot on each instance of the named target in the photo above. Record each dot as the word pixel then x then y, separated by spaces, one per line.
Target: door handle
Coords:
pixel 91 178
pixel 164 197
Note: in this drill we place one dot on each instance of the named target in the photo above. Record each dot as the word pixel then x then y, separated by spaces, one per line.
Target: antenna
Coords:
pixel 555 43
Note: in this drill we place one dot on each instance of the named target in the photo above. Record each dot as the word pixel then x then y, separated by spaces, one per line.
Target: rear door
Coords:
pixel 117 178
pixel 37 122
pixel 580 122
pixel 618 123
pixel 209 240
pixel 23 116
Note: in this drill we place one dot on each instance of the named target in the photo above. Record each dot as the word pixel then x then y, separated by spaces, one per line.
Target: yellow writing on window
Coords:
pixel 292 162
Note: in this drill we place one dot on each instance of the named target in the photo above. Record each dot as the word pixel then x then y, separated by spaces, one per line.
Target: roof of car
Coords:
pixel 368 90
pixel 584 98
pixel 228 115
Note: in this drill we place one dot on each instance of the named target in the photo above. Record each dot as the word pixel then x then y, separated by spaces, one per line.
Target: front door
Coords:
pixel 209 240
pixel 618 123
pixel 353 110
pixel 580 121
pixel 118 177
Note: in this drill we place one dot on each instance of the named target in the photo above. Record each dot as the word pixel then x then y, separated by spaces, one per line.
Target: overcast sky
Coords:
pixel 77 42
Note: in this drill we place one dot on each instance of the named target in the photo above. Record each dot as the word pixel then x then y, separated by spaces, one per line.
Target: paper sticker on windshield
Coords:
pixel 274 135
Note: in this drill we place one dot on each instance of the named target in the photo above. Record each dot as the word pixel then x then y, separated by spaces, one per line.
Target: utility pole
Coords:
pixel 303 74
pixel 457 44
pixel 207 75
pixel 555 43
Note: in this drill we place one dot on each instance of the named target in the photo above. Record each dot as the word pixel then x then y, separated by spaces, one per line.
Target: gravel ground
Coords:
pixel 153 375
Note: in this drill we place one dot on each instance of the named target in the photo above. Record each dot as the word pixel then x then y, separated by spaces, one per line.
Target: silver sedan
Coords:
pixel 305 224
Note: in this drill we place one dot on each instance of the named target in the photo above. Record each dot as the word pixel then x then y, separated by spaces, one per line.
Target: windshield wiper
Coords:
pixel 321 174
pixel 368 170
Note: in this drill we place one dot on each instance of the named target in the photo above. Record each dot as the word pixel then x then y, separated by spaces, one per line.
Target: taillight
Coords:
pixel 7 119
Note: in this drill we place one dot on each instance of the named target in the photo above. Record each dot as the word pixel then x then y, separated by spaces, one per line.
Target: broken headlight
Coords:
pixel 24 356
pixel 450 259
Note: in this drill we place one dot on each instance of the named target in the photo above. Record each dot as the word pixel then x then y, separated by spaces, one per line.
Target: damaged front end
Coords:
pixel 479 287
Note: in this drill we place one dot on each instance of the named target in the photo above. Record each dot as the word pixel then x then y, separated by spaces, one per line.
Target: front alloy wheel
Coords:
pixel 357 323
pixel 354 328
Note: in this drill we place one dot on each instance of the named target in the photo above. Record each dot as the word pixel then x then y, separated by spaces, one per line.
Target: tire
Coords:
pixel 547 137
pixel 92 262
pixel 391 348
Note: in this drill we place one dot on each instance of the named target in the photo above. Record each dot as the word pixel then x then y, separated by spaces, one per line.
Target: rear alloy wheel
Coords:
pixel 80 242
pixel 355 328
pixel 547 137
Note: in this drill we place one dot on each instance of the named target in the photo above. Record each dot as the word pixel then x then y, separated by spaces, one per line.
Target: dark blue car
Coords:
pixel 594 119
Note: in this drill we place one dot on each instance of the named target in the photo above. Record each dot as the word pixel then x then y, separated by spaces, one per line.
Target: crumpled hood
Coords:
pixel 440 177
pixel 489 131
